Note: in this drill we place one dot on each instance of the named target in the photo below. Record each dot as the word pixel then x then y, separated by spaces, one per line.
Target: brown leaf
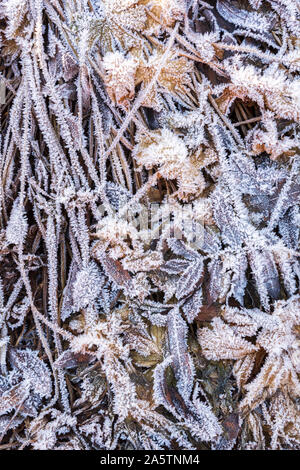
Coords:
pixel 231 425
pixel 208 312
pixel 115 271
pixel 70 359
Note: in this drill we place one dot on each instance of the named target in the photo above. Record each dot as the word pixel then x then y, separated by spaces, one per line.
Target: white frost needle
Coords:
pixel 149 225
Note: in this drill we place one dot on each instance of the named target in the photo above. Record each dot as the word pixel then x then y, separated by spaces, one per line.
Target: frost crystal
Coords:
pixel 87 286
pixel 149 225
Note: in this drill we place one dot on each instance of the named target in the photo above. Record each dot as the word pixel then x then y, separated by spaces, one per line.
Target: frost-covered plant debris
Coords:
pixel 149 224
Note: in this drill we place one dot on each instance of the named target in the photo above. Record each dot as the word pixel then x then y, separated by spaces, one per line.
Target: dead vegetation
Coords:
pixel 111 339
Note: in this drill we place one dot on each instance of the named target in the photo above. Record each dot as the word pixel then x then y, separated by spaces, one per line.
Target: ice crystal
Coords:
pixel 149 224
pixel 120 73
